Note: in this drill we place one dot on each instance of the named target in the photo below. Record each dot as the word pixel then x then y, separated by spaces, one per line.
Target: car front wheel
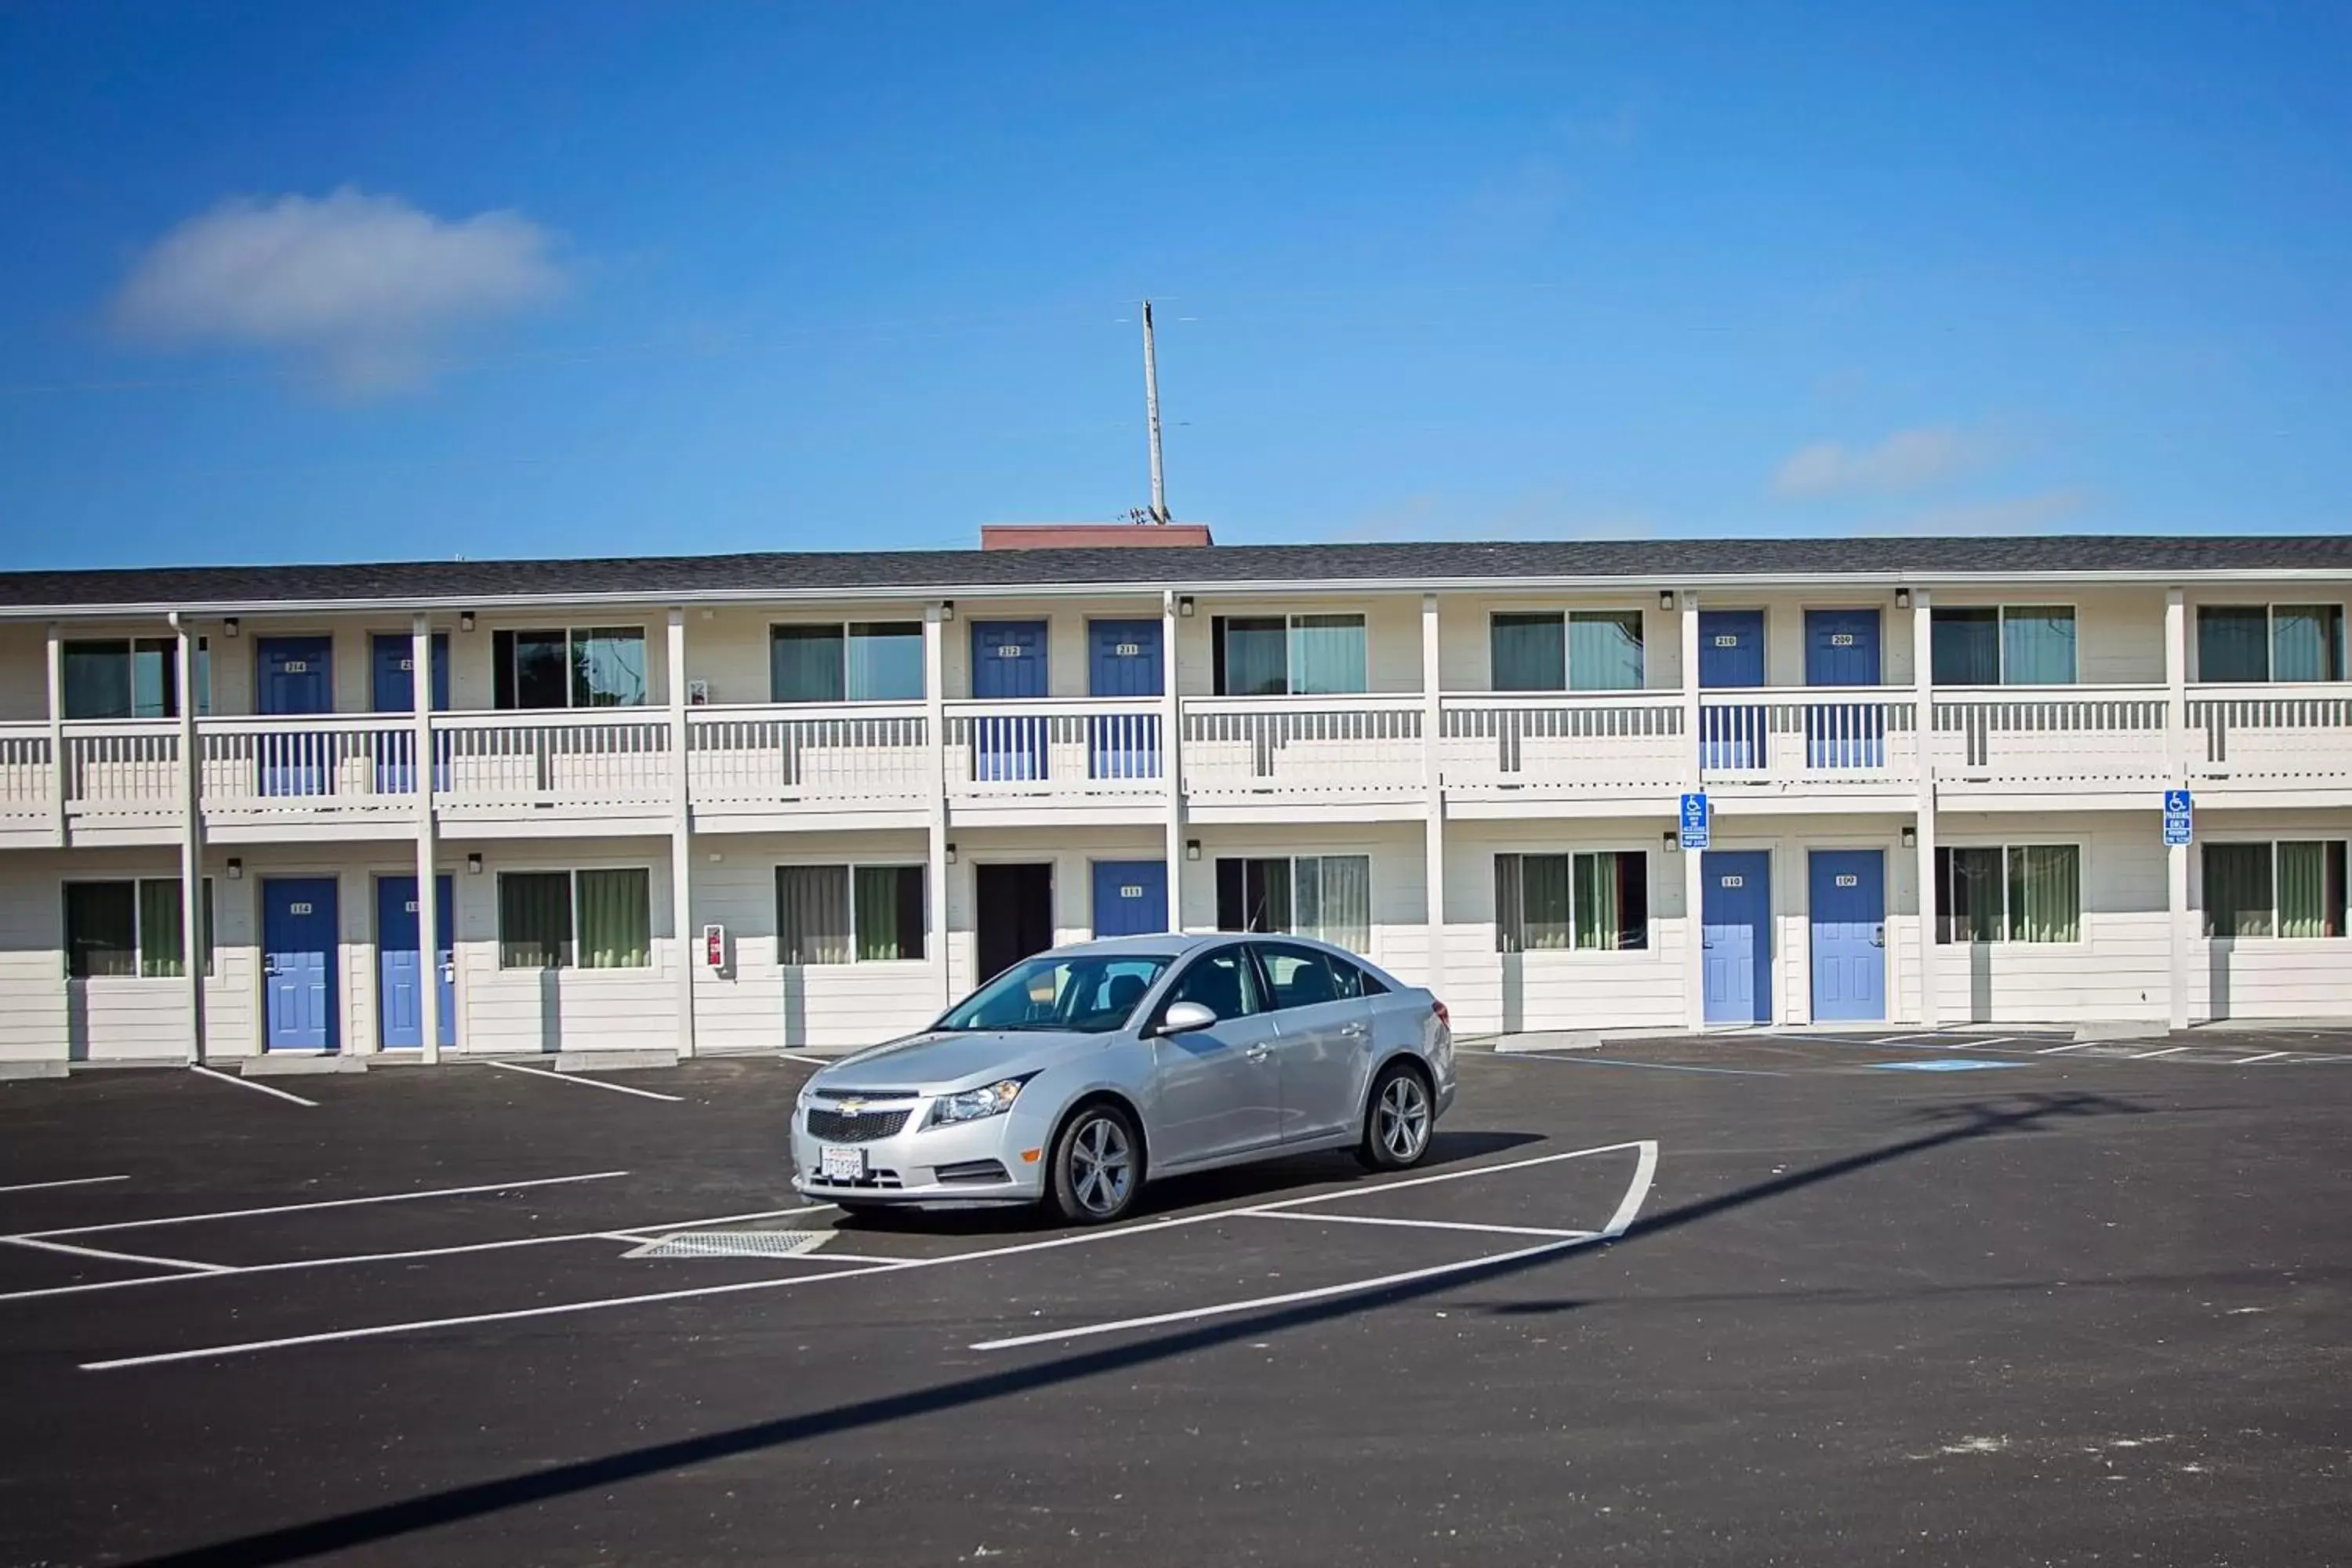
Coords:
pixel 1398 1116
pixel 1097 1166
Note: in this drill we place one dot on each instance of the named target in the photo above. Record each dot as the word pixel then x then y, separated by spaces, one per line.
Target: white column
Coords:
pixel 428 900
pixel 1923 729
pixel 1432 716
pixel 935 736
pixel 681 837
pixel 192 841
pixel 2175 775
pixel 1694 863
pixel 1172 758
pixel 58 733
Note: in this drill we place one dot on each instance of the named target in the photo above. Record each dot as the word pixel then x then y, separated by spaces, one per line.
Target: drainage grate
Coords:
pixel 732 1244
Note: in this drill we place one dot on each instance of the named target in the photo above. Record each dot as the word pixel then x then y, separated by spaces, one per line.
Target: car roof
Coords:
pixel 1172 945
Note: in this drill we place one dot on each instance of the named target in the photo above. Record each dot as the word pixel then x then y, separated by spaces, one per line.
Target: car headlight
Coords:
pixel 975 1104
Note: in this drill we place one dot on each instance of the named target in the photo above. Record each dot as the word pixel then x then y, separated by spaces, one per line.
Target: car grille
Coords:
pixel 837 1127
pixel 971 1171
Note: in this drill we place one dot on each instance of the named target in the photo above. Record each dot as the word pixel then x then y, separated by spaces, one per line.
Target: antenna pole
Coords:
pixel 1152 407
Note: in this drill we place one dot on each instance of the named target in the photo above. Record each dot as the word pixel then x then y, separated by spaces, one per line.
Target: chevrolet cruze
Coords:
pixel 1077 1075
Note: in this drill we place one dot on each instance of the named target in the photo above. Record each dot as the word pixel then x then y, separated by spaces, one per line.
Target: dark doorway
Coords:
pixel 1014 915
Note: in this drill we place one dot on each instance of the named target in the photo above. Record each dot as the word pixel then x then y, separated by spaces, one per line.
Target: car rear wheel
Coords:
pixel 1097 1166
pixel 1398 1118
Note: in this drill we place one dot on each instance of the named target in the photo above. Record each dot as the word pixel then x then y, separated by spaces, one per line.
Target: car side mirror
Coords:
pixel 1183 1017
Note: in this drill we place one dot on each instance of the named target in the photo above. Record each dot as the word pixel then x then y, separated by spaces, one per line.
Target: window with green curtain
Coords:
pixel 534 919
pixel 159 929
pixel 2311 888
pixel 2239 895
pixel 886 661
pixel 1331 899
pixel 2045 893
pixel 1532 903
pixel 2233 643
pixel 2307 642
pixel 1252 655
pixel 1613 899
pixel 812 915
pixel 608 668
pixel 806 665
pixel 1327 653
pixel 2037 646
pixel 1968 895
pixel 1528 652
pixel 1964 645
pixel 102 929
pixel 1604 651
pixel 616 918
pixel 889 905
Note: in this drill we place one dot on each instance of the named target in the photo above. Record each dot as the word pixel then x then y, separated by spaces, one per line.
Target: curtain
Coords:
pixel 1547 904
pixel 804 664
pixel 2310 889
pixel 97 679
pixel 2232 643
pixel 1596 913
pixel 1341 908
pixel 102 929
pixel 2238 891
pixel 534 919
pixel 1326 652
pixel 1528 652
pixel 1604 651
pixel 608 668
pixel 1510 904
pixel 2038 646
pixel 1256 658
pixel 160 955
pixel 615 920
pixel 1965 646
pixel 2307 642
pixel 812 914
pixel 889 907
pixel 1968 895
pixel 886 661
pixel 2045 893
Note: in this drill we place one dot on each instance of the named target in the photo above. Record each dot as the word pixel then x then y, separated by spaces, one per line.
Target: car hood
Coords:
pixel 941 1059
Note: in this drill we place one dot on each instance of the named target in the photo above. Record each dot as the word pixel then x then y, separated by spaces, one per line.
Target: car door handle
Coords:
pixel 1258 1053
pixel 1353 1031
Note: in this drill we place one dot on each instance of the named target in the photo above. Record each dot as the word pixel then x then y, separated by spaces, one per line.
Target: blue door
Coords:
pixel 1008 662
pixel 294 675
pixel 1123 659
pixel 298 944
pixel 398 998
pixel 1731 654
pixel 1849 905
pixel 1736 925
pixel 395 692
pixel 1841 649
pixel 1130 898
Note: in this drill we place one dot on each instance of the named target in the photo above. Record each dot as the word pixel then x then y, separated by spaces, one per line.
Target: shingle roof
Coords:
pixel 915 574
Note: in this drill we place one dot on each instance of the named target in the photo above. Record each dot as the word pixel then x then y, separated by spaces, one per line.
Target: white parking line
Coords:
pixel 249 1083
pixel 2265 1057
pixel 1415 1224
pixel 323 1203
pixel 586 1082
pixel 1898 1039
pixel 198 1268
pixel 2149 1056
pixel 1647 1166
pixel 2055 1050
pixel 68 1182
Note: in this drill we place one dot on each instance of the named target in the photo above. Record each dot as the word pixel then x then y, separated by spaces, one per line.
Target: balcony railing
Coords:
pixel 308 766
pixel 1586 744
pixel 122 772
pixel 1336 747
pixel 1815 733
pixel 2113 734
pixel 1061 747
pixel 2288 733
pixel 572 760
pixel 752 758
pixel 27 774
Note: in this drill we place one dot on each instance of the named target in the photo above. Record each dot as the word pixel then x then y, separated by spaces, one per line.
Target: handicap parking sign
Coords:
pixel 2177 823
pixel 1694 821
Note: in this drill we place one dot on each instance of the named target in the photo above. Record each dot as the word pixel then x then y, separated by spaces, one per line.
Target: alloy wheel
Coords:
pixel 1403 1118
pixel 1102 1166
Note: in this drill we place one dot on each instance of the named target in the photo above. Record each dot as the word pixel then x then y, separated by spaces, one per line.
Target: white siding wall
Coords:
pixel 2120 970
pixel 507 1010
pixel 2265 977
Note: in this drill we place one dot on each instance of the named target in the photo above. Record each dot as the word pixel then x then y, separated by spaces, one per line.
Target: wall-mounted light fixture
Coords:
pixel 1191 849
pixel 236 869
pixel 1902 598
pixel 229 626
pixel 1183 604
pixel 947 609
pixel 466 620
pixel 951 858
pixel 1665 598
pixel 1910 838
pixel 474 864
pixel 1674 842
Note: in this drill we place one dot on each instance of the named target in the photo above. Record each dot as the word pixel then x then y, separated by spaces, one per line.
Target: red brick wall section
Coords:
pixel 1093 536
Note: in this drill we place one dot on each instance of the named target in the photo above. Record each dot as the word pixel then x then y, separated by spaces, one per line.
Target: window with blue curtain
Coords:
pixel 1604 651
pixel 2234 642
pixel 608 668
pixel 1528 651
pixel 1252 655
pixel 2037 645
pixel 129 679
pixel 2307 642
pixel 806 665
pixel 886 661
pixel 1327 653
pixel 1965 644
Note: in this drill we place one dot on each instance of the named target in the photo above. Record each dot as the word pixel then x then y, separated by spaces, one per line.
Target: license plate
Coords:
pixel 841 1165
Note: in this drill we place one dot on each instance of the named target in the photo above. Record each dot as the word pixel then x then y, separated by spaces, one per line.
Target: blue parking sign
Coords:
pixel 2176 822
pixel 1694 821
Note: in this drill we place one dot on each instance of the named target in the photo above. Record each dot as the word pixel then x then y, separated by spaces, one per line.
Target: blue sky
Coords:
pixel 608 279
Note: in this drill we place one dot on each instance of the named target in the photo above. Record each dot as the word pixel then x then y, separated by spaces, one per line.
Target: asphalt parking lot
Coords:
pixel 1764 1300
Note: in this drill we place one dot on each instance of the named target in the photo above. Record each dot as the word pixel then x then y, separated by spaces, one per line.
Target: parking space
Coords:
pixel 466 1316
pixel 1761 1052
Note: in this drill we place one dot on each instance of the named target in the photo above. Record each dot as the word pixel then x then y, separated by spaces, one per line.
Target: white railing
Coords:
pixel 521 761
pixel 1819 732
pixel 1334 746
pixel 1055 746
pixel 743 758
pixel 313 763
pixel 124 771
pixel 2007 734
pixel 27 774
pixel 2281 732
pixel 1590 742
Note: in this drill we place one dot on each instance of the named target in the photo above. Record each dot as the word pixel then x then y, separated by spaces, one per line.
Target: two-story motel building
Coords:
pixel 1936 772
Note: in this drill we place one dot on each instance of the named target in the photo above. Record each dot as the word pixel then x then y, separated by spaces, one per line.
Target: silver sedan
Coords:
pixel 1074 1076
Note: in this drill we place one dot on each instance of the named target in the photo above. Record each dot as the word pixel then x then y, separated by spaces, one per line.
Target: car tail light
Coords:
pixel 1443 1016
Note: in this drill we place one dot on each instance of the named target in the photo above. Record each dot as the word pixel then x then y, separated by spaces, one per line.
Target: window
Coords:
pixel 1225 982
pixel 849 914
pixel 585 920
pixel 132 678
pixel 2292 888
pixel 1307 977
pixel 1576 650
pixel 119 929
pixel 2021 892
pixel 2270 642
pixel 1328 897
pixel 1598 902
pixel 1277 655
pixel 2008 645
pixel 592 667
pixel 1089 996
pixel 862 662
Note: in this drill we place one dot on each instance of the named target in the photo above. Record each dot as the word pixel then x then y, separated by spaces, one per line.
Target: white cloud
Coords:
pixel 360 289
pixel 1906 460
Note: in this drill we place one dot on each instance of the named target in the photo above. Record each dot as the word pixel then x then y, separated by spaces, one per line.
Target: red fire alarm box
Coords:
pixel 714 946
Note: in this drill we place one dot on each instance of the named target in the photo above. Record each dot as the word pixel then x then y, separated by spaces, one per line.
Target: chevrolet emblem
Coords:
pixel 853 1108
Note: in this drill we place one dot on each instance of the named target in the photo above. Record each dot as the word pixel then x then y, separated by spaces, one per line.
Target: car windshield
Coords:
pixel 1085 993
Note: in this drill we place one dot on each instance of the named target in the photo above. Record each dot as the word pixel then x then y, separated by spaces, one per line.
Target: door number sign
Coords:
pixel 1841 640
pixel 1131 890
pixel 1848 880
pixel 304 909
pixel 1008 650
pixel 1127 649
